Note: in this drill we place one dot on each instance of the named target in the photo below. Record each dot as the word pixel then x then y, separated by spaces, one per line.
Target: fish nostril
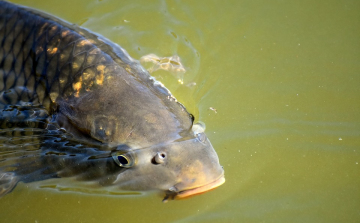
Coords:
pixel 158 158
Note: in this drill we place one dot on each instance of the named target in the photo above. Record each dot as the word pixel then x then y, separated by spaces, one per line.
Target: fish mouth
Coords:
pixel 201 189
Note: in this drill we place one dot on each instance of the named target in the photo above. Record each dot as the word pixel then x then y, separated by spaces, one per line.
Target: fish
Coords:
pixel 85 109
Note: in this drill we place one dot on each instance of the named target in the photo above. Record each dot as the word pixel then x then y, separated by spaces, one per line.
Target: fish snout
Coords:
pixel 198 178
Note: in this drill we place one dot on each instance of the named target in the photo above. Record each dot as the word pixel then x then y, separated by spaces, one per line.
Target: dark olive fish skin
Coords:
pixel 45 62
pixel 44 56
pixel 99 95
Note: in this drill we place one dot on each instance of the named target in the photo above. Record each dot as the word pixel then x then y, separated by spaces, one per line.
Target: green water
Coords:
pixel 284 79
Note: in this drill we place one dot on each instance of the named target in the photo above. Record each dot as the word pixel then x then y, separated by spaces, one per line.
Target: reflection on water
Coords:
pixel 283 78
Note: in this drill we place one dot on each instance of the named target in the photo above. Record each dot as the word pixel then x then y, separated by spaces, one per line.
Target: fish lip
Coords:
pixel 202 189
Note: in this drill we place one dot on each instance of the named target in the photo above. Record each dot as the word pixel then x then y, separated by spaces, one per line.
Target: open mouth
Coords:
pixel 202 189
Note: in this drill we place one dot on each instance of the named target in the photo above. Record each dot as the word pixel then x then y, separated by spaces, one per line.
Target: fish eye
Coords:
pixel 201 137
pixel 159 158
pixel 124 160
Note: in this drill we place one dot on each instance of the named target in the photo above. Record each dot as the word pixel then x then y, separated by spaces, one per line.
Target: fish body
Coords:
pixel 93 90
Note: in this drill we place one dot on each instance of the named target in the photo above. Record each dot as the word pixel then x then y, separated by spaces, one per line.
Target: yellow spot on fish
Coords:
pixel 52 51
pixel 101 68
pixel 77 87
pixel 75 65
pixel 91 41
pixel 88 76
pixel 89 86
pixel 83 43
pixel 100 76
pixel 90 59
pixel 53 96
pixel 64 33
pixel 99 79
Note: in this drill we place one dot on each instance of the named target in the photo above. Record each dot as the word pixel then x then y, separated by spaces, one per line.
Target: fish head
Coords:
pixel 182 168
pixel 164 150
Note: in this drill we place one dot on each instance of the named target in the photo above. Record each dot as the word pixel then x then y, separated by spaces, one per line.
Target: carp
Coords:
pixel 91 112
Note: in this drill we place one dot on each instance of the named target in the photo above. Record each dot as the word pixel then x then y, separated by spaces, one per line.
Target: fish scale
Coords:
pixel 57 54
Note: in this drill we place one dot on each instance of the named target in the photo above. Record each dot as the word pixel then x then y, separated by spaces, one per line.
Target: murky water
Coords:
pixel 284 79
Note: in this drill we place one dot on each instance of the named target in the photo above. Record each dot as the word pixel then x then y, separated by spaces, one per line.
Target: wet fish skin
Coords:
pixel 96 91
pixel 45 58
pixel 46 61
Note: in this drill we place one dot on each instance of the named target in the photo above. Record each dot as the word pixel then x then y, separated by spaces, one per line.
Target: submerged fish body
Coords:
pixel 140 137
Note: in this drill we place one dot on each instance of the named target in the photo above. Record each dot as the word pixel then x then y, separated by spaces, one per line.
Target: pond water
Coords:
pixel 282 79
